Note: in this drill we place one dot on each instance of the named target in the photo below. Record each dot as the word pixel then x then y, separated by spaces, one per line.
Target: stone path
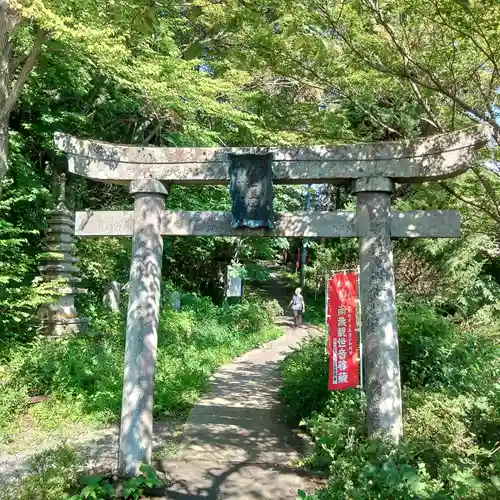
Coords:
pixel 236 444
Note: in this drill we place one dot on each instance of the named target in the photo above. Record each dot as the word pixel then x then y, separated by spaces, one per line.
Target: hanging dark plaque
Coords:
pixel 252 192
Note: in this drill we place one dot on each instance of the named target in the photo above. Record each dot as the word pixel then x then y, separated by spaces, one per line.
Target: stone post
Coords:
pixel 111 298
pixel 378 309
pixel 175 300
pixel 60 318
pixel 142 326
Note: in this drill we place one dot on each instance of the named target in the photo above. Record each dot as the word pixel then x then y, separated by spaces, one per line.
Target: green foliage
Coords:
pixel 306 379
pixel 133 487
pixel 52 472
pixel 84 376
pixel 451 416
pixel 94 488
pixel 100 488
pixel 21 294
pixel 434 353
pixel 440 457
pixel 55 475
pixel 263 73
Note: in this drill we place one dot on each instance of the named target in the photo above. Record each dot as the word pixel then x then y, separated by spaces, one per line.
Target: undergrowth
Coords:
pixel 451 395
pixel 83 377
pixel 51 474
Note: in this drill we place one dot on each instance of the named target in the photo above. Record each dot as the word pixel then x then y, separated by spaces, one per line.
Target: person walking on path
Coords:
pixel 298 306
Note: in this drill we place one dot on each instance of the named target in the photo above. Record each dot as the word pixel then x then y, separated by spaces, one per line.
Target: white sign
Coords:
pixel 234 287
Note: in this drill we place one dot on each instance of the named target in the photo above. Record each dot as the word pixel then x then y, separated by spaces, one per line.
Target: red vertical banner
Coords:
pixel 343 339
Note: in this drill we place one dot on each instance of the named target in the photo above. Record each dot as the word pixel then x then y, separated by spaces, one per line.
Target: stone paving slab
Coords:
pixel 195 479
pixel 236 444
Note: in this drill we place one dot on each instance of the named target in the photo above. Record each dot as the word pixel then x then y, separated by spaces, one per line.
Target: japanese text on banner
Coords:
pixel 342 341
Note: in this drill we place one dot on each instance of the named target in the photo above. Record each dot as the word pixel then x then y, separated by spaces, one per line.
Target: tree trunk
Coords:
pixel 6 27
pixel 4 148
pixel 13 73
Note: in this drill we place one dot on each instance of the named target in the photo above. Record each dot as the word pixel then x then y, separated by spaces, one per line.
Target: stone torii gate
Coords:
pixel 373 169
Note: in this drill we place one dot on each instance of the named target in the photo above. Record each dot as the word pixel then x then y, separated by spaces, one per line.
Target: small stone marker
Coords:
pixel 111 298
pixel 175 300
pixel 234 286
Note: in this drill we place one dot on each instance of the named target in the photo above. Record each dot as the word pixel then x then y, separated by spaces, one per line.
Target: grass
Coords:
pixel 51 474
pixel 83 377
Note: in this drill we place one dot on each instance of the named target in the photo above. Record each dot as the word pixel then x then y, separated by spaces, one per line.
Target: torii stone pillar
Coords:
pixel 379 329
pixel 141 336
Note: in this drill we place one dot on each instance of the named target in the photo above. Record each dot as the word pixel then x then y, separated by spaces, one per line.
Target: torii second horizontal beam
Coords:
pixel 414 224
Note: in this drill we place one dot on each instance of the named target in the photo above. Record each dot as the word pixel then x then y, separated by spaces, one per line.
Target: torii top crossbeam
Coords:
pixel 420 160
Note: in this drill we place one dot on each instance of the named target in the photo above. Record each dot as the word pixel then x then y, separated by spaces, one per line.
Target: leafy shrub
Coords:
pixel 440 458
pixel 51 474
pixel 100 487
pixel 272 309
pixel 374 470
pixel 305 373
pixel 23 198
pixel 435 353
pixel 451 417
pixel 84 376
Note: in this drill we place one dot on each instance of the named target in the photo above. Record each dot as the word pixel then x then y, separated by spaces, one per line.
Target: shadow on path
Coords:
pixel 236 443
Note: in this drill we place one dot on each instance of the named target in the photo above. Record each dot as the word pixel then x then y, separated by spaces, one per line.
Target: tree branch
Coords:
pixel 435 85
pixel 15 91
pixel 155 131
pixel 489 54
pixel 458 196
pixel 490 190
pixel 309 70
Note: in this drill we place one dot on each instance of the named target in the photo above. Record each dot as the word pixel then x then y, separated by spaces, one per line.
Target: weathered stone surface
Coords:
pixel 60 326
pixel 373 184
pixel 412 224
pixel 142 328
pixel 424 224
pixel 59 264
pixel 60 268
pixel 234 286
pixel 175 300
pixel 111 298
pixel 104 223
pixel 378 309
pixel 419 160
pixel 146 186
pixel 59 238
